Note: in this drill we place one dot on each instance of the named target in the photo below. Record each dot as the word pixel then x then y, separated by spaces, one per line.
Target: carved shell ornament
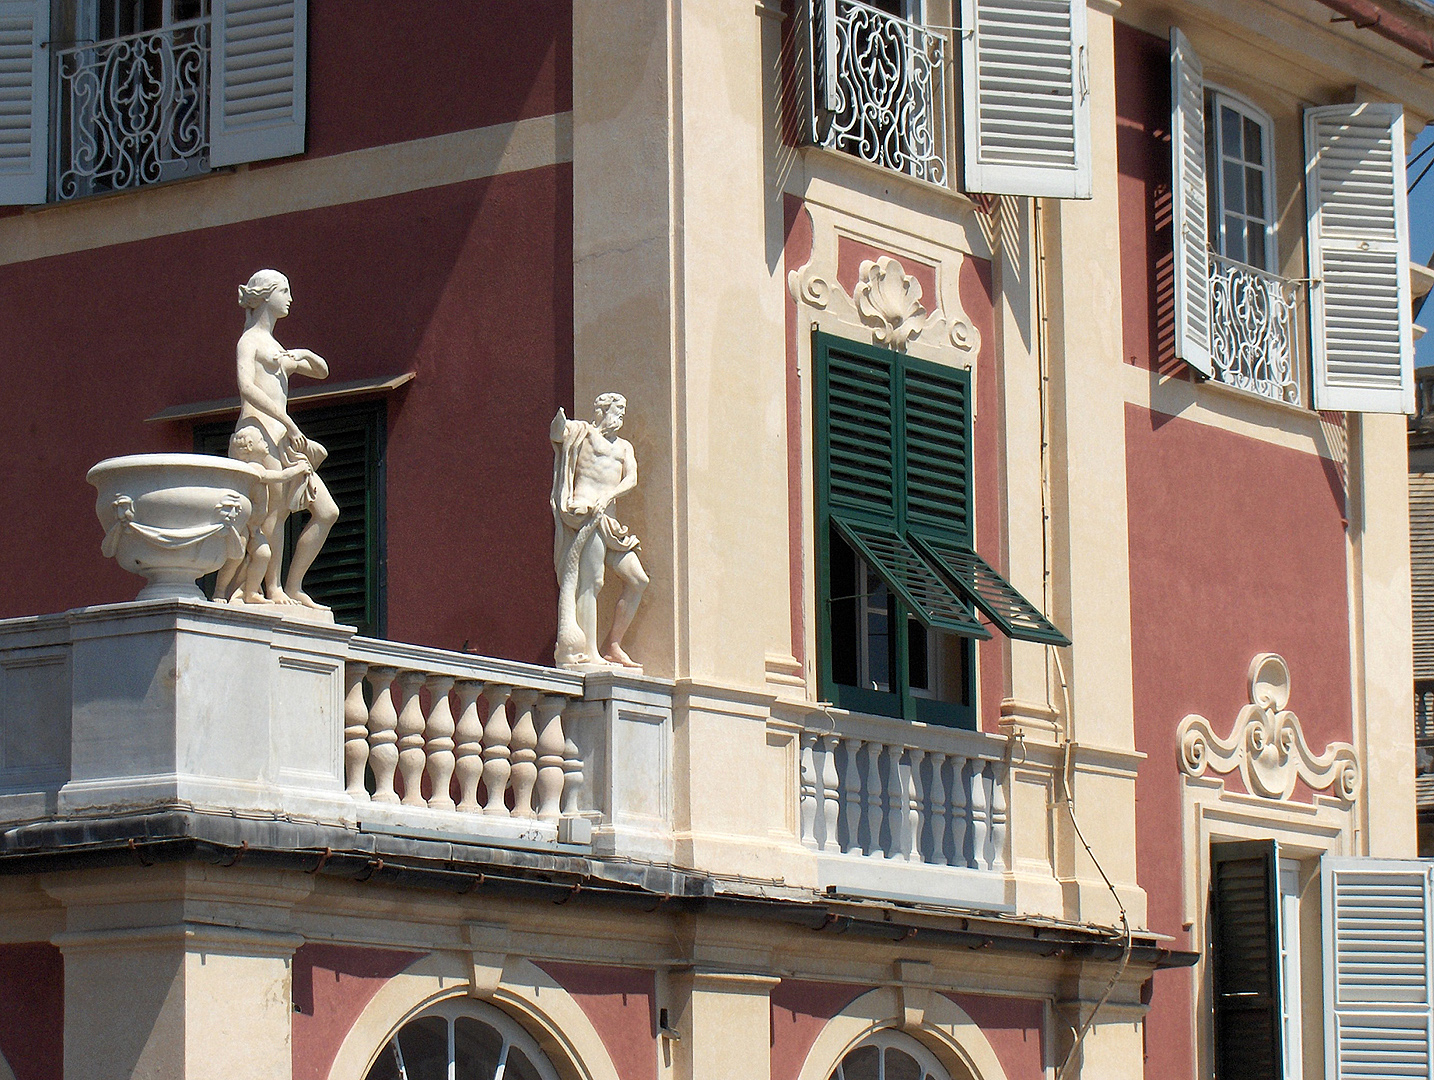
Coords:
pixel 1267 743
pixel 887 300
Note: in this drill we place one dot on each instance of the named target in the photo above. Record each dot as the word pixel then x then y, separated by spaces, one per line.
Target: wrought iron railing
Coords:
pixel 1253 321
pixel 880 85
pixel 132 110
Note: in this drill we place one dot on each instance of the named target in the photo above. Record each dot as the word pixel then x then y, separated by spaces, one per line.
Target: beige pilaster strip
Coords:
pixel 246 194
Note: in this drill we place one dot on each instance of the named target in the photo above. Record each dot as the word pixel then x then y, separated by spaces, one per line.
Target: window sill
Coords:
pixel 1235 393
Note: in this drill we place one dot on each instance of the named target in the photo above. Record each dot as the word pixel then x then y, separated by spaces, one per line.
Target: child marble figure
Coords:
pixel 285 462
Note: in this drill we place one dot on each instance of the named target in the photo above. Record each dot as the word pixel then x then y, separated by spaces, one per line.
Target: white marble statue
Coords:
pixel 591 468
pixel 285 461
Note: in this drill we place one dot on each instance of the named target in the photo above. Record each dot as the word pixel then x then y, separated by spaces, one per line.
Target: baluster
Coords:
pixel 911 785
pixel 496 754
pixel 807 799
pixel 873 798
pixel 438 739
pixel 550 756
pixel 524 745
pixel 960 811
pixel 896 801
pixel 411 756
pixel 851 804
pixel 355 731
pixel 468 753
pixel 830 787
pixel 572 776
pixel 382 722
pixel 980 816
pixel 998 816
pixel 940 810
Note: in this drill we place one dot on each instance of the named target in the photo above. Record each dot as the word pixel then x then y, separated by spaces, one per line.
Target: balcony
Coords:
pixel 132 110
pixel 880 89
pixel 1254 329
pixel 290 736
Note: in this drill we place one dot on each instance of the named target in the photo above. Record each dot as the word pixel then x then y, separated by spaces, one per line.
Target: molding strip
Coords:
pixel 248 194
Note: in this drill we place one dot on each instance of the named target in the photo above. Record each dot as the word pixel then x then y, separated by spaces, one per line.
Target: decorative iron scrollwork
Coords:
pixel 1252 324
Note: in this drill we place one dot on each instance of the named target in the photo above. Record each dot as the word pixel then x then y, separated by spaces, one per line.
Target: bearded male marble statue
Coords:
pixel 591 468
pixel 284 461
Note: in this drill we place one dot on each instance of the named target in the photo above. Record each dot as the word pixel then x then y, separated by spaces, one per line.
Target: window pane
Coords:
pixel 1257 245
pixel 424 1046
pixel 918 668
pixel 901 1065
pixel 1255 193
pixel 476 1047
pixel 1230 131
pixel 1254 150
pixel 878 635
pixel 386 1067
pixel 519 1067
pixel 1234 238
pixel 1234 189
pixel 844 614
pixel 861 1064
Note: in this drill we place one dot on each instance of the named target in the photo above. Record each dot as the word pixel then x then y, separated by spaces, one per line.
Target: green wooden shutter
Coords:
pixel 975 579
pixel 907 574
pixel 858 407
pixel 1245 947
pixel 936 447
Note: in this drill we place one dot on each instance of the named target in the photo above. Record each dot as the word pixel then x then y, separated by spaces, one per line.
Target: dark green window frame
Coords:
pixel 893 472
pixel 348 574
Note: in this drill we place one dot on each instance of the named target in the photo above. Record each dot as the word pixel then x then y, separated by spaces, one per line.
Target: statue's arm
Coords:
pixel 306 362
pixel 558 429
pixel 629 474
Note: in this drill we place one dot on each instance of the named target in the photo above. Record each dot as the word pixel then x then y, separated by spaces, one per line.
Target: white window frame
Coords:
pixel 885 1039
pixel 451 1009
pixel 1215 170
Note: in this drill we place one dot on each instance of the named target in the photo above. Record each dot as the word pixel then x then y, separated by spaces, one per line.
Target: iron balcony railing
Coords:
pixel 879 86
pixel 132 110
pixel 1254 316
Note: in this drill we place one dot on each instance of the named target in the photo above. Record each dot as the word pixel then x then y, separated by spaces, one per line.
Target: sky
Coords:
pixel 1421 233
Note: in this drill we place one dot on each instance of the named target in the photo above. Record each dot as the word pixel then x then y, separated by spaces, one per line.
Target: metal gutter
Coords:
pixel 172 836
pixel 1368 15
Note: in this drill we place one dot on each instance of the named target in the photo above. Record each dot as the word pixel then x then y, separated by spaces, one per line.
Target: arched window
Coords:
pixel 460 1039
pixel 889 1055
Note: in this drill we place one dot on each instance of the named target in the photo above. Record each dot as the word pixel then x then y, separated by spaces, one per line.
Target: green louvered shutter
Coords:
pixel 1245 948
pixel 907 574
pixel 974 578
pixel 858 406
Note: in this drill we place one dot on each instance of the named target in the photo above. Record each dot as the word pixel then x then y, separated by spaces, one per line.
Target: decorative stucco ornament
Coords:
pixel 591 468
pixel 172 518
pixel 889 299
pixel 285 463
pixel 1267 744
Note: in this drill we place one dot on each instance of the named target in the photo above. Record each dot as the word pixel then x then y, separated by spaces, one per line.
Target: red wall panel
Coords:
pixel 333 984
pixel 32 1010
pixel 618 1002
pixel 469 285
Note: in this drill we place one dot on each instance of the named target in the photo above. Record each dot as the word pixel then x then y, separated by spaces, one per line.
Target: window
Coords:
pixel 105 95
pixel 348 573
pixel 875 75
pixel 461 1040
pixel 1239 166
pixel 889 1055
pixel 1238 322
pixel 897 573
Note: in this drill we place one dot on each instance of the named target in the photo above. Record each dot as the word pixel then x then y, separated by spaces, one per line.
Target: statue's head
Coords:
pixel 608 410
pixel 266 287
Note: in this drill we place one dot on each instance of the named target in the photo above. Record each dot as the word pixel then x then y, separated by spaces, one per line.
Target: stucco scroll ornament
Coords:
pixel 888 300
pixel 1267 743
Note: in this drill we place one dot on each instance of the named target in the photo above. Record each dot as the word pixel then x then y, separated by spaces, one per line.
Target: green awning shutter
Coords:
pixel 975 579
pixel 1245 943
pixel 907 574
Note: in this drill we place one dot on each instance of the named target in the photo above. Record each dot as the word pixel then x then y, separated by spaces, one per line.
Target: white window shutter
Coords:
pixel 258 74
pixel 1026 97
pixel 1377 939
pixel 24 101
pixel 1190 221
pixel 1362 340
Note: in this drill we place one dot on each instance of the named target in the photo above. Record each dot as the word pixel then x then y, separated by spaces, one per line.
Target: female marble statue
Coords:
pixel 286 461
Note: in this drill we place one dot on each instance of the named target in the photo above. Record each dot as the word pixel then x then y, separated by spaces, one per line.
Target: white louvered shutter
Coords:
pixel 1376 968
pixel 258 76
pixel 1026 97
pixel 1190 220
pixel 1362 340
pixel 24 101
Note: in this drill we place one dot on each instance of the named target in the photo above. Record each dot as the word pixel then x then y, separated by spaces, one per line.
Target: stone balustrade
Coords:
pixel 446 732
